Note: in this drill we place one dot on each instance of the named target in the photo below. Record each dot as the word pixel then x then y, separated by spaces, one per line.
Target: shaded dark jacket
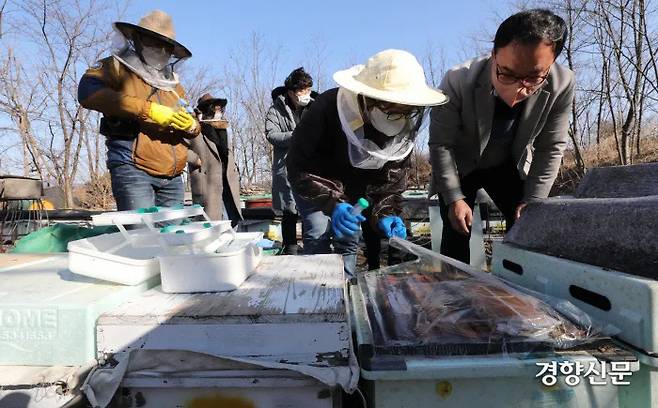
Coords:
pixel 279 125
pixel 320 171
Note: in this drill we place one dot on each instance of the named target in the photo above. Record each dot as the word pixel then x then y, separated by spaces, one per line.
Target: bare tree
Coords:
pixel 250 75
pixel 3 6
pixel 315 61
pixel 573 13
pixel 198 80
pixel 611 47
pixel 434 63
pixel 38 89
pixel 22 101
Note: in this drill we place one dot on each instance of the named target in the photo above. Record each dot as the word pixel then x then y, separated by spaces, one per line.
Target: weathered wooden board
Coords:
pixel 293 307
pixel 283 289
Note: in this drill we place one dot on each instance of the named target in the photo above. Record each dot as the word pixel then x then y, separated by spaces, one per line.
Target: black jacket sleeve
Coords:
pixel 322 192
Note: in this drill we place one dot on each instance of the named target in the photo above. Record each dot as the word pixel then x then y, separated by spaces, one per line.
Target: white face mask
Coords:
pixel 303 100
pixel 380 121
pixel 364 153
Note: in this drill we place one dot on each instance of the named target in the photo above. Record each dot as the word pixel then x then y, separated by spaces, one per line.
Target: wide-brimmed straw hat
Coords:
pixel 157 24
pixel 391 76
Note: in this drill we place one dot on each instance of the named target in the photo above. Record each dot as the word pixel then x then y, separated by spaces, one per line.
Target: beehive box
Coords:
pixel 48 314
pixel 292 309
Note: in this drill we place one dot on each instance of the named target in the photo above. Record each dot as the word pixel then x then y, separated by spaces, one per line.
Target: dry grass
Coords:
pixel 420 172
pixel 601 155
pixel 96 194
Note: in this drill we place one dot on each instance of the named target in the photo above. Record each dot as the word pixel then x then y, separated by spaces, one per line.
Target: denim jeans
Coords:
pixel 134 188
pixel 318 236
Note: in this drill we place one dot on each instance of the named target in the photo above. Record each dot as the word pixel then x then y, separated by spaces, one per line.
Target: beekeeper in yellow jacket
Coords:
pixel 145 117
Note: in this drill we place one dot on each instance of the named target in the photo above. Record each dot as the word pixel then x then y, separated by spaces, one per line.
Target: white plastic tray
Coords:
pixel 110 257
pixel 215 272
pixel 193 233
pixel 140 216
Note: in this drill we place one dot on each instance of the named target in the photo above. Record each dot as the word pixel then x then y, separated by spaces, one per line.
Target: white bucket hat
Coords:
pixel 392 76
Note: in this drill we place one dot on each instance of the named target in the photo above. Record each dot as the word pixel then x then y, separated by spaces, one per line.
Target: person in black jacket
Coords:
pixel 355 142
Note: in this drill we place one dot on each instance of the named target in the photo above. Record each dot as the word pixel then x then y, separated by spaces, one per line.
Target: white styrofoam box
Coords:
pixel 194 232
pixel 220 271
pixel 628 302
pixel 48 314
pixel 292 308
pixel 132 217
pixel 111 257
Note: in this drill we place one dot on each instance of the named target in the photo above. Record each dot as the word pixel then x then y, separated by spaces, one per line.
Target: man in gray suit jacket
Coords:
pixel 505 127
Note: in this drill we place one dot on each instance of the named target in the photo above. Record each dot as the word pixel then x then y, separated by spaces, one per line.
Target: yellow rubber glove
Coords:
pixel 182 120
pixel 161 114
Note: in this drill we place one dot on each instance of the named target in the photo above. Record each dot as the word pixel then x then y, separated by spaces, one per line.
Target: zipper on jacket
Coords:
pixel 173 152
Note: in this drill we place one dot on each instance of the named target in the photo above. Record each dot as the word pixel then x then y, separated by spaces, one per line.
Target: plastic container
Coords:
pixel 185 106
pixel 149 216
pixel 112 258
pixel 495 380
pixel 643 388
pixel 360 205
pixel 130 257
pixel 627 302
pixel 194 232
pixel 224 270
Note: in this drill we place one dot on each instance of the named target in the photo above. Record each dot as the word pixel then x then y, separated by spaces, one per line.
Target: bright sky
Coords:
pixel 346 32
pixel 351 31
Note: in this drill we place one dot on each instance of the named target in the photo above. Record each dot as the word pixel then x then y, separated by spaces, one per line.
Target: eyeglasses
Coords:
pixel 528 81
pixel 412 113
